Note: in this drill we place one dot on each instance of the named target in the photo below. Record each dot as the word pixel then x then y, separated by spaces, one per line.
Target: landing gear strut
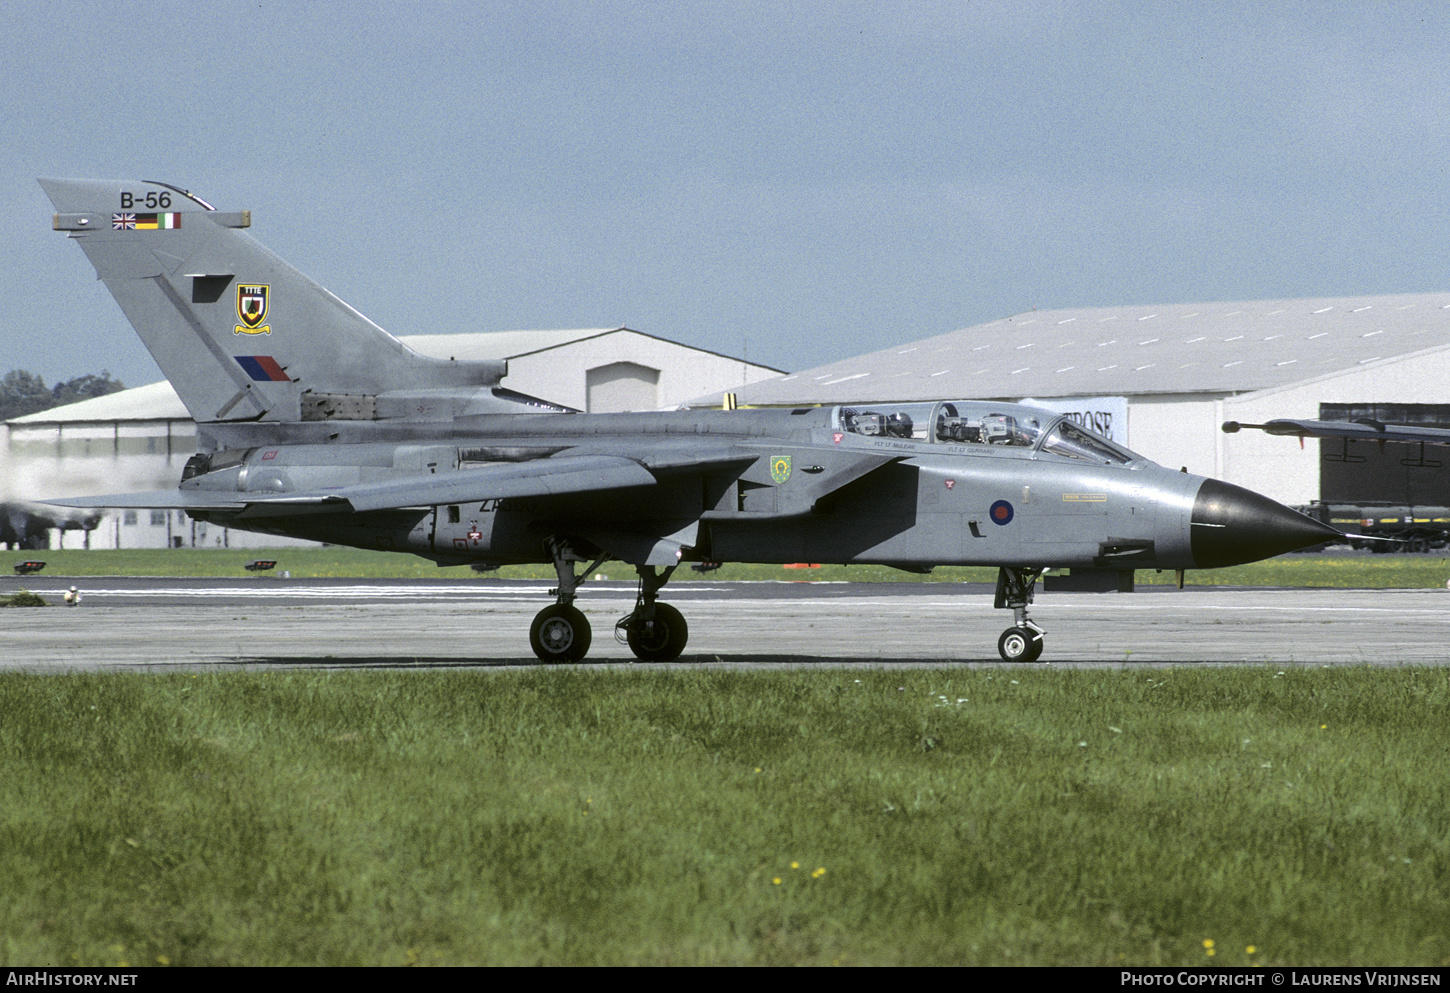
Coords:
pixel 561 633
pixel 1023 641
pixel 655 632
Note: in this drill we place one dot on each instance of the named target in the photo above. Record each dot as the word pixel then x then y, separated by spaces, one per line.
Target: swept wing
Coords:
pixel 538 478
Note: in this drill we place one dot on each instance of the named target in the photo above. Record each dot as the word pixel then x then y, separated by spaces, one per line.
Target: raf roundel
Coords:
pixel 1001 512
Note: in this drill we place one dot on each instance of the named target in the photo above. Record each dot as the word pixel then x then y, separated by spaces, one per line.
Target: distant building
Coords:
pixel 139 439
pixel 136 439
pixel 599 372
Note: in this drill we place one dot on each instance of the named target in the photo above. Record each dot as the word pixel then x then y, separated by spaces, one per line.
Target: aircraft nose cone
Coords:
pixel 1232 525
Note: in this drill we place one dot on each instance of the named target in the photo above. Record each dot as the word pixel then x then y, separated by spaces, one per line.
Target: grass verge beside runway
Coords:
pixel 1347 571
pixel 569 816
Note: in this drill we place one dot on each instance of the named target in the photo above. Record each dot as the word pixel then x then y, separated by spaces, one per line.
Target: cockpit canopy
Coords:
pixel 977 422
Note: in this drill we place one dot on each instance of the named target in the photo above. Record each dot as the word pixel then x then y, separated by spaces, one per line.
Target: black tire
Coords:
pixel 1019 645
pixel 560 634
pixel 665 641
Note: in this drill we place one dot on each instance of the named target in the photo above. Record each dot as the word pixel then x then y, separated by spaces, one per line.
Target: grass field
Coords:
pixel 1352 570
pixel 1226 816
pixel 566 816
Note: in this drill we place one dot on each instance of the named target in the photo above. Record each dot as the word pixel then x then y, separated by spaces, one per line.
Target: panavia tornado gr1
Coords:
pixel 315 423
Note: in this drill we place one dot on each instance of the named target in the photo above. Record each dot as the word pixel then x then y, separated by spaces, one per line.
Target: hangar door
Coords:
pixel 621 386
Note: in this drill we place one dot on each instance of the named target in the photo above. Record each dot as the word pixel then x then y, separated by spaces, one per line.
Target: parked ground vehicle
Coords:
pixel 1414 529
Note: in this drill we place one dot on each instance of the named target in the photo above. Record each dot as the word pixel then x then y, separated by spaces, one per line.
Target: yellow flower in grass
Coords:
pixel 1208 946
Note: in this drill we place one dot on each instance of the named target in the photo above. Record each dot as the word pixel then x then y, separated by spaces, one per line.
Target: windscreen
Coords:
pixel 1067 438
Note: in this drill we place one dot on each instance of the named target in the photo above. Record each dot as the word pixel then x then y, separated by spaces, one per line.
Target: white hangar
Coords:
pixel 599 371
pixel 139 439
pixel 1163 379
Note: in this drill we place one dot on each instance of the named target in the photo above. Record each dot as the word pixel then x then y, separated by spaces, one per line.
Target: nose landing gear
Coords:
pixel 1023 641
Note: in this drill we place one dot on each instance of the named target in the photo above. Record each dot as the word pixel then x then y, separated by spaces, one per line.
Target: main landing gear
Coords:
pixel 561 633
pixel 1023 641
pixel 655 632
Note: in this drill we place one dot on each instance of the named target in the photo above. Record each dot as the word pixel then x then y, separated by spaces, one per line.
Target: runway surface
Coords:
pixel 267 622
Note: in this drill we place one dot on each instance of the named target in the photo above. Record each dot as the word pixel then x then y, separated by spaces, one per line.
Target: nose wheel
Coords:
pixel 1023 641
pixel 1020 645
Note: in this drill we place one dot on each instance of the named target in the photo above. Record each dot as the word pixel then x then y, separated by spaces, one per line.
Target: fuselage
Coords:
pixel 910 485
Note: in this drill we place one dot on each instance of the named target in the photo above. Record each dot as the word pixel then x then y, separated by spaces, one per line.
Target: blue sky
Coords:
pixel 797 182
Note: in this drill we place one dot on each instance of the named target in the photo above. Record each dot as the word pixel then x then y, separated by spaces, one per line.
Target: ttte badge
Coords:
pixel 252 309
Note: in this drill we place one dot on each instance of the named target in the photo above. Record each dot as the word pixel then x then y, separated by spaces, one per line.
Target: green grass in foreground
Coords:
pixel 570 816
pixel 1358 571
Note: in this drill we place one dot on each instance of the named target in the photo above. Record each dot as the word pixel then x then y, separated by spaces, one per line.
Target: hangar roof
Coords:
pixel 499 344
pixel 1218 348
pixel 155 402
pixel 517 344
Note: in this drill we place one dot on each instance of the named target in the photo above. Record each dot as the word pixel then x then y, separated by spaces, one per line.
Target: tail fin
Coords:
pixel 241 334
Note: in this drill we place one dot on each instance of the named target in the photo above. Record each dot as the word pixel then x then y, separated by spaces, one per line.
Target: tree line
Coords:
pixel 23 392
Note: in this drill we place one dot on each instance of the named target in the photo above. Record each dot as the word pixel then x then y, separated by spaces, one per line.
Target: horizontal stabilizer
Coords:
pixel 158 500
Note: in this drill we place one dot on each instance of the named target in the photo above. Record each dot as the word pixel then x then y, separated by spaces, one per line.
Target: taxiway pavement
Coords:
pixel 269 622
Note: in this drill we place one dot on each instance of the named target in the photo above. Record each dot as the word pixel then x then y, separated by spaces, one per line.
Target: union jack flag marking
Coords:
pixel 123 222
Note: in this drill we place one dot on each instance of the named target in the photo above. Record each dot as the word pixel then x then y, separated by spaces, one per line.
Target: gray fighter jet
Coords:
pixel 315 423
pixel 1362 429
pixel 27 524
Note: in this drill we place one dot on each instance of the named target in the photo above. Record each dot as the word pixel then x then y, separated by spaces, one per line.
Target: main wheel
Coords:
pixel 1019 645
pixel 560 634
pixel 666 638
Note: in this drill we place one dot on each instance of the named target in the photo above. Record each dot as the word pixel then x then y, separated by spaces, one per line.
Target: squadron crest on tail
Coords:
pixel 252 308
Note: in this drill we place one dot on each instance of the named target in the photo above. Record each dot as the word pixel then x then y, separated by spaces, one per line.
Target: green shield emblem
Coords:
pixel 780 468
